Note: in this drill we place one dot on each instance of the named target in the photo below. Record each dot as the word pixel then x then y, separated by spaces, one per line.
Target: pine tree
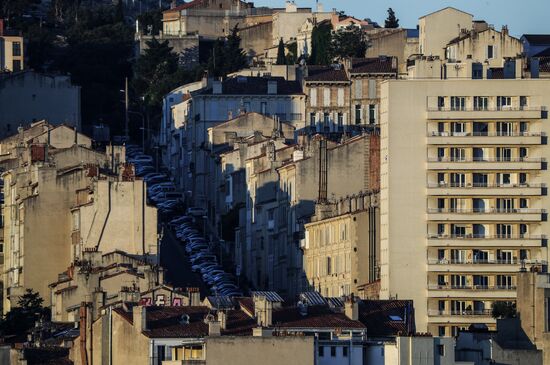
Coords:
pixel 349 42
pixel 234 56
pixel 391 21
pixel 320 44
pixel 216 61
pixel 281 59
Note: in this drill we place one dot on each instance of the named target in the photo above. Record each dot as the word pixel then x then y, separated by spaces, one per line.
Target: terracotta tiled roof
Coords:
pixel 326 74
pixel 382 317
pixel 372 65
pixel 317 317
pixel 188 5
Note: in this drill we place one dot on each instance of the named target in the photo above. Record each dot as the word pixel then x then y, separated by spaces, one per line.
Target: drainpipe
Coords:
pixel 143 216
pixel 110 335
pixel 350 351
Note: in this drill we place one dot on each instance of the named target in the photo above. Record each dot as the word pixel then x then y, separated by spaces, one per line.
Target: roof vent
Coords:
pixel 184 319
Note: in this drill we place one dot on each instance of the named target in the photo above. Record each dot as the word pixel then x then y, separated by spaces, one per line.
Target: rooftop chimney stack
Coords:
pixel 140 317
pixel 222 319
pixel 263 311
pixel 351 308
pixel 214 328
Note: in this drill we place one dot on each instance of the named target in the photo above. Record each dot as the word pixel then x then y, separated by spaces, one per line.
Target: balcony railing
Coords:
pixel 471 287
pixel 466 312
pixel 486 236
pixel 483 185
pixel 513 261
pixel 487 211
pixel 483 109
pixel 486 159
pixel 485 134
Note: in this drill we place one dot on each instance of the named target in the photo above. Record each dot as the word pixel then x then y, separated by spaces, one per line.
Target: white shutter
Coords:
pixel 313 97
pixel 358 89
pixel 376 119
pixel 372 89
pixel 326 96
pixel 341 97
pixel 345 117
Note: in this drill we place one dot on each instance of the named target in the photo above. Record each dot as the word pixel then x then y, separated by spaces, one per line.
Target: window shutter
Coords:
pixel 358 89
pixel 344 119
pixel 340 97
pixel 313 97
pixel 376 121
pixel 326 96
pixel 372 89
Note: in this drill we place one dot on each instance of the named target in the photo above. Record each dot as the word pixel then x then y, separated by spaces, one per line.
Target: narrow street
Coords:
pixel 177 269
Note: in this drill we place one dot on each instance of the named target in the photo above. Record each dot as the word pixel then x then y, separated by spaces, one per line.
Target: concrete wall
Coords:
pixel 438 28
pixel 30 96
pixel 115 220
pixel 255 39
pixel 260 350
pixel 393 43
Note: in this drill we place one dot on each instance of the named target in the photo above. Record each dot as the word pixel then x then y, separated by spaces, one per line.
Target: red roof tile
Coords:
pixel 325 74
pixel 317 317
pixel 375 314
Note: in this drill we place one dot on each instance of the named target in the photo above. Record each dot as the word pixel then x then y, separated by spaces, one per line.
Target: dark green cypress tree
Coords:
pixel 391 21
pixel 281 59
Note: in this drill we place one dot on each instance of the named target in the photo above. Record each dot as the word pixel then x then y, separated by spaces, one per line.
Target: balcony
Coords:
pixel 444 188
pixel 472 291
pixel 476 138
pixel 466 312
pixel 478 265
pixel 467 240
pixel 485 163
pixel 502 112
pixel 486 214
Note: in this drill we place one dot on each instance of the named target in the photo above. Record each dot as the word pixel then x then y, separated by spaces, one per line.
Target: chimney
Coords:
pixel 214 328
pixel 272 87
pixel 194 297
pixel 217 87
pixel 394 63
pixel 140 317
pixel 222 319
pixel 263 311
pixel 504 30
pixel 351 308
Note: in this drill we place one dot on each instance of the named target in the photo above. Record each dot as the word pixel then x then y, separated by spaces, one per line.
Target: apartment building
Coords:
pixel 397 42
pixel 40 182
pixel 328 99
pixel 342 246
pixel 12 49
pixel 463 195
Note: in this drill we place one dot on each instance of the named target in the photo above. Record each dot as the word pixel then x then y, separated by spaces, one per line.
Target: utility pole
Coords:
pixel 126 108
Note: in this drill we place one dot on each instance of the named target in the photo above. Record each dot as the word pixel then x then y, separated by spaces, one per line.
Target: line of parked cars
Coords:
pixel 161 191
pixel 202 258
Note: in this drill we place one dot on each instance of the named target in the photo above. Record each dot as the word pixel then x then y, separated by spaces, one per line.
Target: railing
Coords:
pixel 466 312
pixel 483 185
pixel 512 261
pixel 486 159
pixel 486 236
pixel 485 109
pixel 487 211
pixel 486 134
pixel 471 287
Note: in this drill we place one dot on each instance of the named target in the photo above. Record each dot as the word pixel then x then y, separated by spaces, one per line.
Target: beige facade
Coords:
pixel 439 28
pixel 533 305
pixel 486 45
pixel 341 250
pixel 399 43
pixel 462 203
pixel 12 50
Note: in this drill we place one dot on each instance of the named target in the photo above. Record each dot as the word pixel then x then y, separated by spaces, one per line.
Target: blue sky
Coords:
pixel 522 17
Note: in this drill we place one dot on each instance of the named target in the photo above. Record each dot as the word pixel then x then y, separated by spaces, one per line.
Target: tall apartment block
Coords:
pixel 463 197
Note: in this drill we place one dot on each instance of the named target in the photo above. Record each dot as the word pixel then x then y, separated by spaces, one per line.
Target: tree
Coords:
pixel 281 59
pixel 234 56
pixel 292 51
pixel 348 42
pixel 320 44
pixel 19 320
pixel 503 310
pixel 215 62
pixel 391 21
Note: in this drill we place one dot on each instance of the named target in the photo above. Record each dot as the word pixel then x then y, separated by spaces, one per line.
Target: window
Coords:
pixel 458 102
pixel 441 331
pixel 547 304
pixel 333 351
pixel 358 89
pixel 522 102
pixel 312 120
pixel 504 281
pixel 358 114
pixel 326 96
pixel 313 97
pixel 345 351
pixel 458 154
pixel 372 114
pixel 504 102
pixel 263 107
pixel 441 349
pixel 16 65
pixel 16 49
pixel 440 102
pixel 329 266
pixel 481 102
pixel 321 351
pixel 490 52
pixel 340 97
pixel 340 121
